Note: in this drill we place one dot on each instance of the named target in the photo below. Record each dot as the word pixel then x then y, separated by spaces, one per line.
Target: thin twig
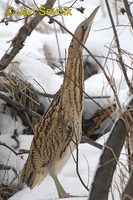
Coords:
pixel 19 153
pixel 8 167
pixel 58 44
pixel 85 139
pixel 118 48
pixel 107 28
pixel 15 137
pixel 86 97
pixel 77 164
pixel 108 161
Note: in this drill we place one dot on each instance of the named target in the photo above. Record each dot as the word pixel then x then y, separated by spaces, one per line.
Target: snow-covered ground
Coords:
pixel 88 162
pixel 68 176
pixel 33 64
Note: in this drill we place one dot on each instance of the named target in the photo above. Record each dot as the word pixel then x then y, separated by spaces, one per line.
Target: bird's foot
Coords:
pixel 63 194
pixel 67 195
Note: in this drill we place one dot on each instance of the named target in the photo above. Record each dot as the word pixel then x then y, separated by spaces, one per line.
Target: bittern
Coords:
pixel 59 131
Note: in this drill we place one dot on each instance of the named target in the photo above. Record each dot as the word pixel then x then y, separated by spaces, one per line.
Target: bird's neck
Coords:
pixel 73 84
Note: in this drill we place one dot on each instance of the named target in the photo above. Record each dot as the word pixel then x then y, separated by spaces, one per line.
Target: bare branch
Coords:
pixel 85 139
pixel 24 32
pixel 76 160
pixel 8 167
pixel 19 153
pixel 128 192
pixel 19 107
pixel 86 97
pixel 128 11
pixel 108 161
pixel 15 137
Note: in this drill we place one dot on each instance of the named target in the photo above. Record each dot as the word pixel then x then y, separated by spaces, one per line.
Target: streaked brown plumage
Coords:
pixel 59 130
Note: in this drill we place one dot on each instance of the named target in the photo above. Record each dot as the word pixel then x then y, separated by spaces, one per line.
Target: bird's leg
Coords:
pixel 61 192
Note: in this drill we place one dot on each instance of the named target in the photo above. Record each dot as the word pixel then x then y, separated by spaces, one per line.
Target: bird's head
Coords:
pixel 81 34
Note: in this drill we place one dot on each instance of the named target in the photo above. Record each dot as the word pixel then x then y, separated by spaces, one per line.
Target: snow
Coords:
pixel 11 124
pixel 88 161
pixel 37 63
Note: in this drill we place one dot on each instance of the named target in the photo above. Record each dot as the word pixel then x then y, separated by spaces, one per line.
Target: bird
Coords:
pixel 58 132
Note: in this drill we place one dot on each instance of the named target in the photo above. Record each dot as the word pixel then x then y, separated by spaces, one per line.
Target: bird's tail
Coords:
pixel 32 177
